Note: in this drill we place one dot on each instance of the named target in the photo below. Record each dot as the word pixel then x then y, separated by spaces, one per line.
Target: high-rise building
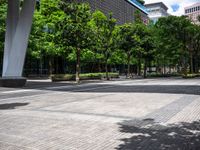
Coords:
pixel 157 10
pixel 122 10
pixel 193 12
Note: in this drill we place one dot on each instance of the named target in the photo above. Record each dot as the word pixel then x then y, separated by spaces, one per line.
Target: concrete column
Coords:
pixel 11 24
pixel 17 37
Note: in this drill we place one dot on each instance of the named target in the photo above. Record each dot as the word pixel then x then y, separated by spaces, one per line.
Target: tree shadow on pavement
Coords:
pixel 148 135
pixel 12 105
pixel 114 88
pixel 171 89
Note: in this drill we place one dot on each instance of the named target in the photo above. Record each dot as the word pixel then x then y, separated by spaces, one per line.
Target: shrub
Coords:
pixel 189 76
pixel 85 76
pixel 163 75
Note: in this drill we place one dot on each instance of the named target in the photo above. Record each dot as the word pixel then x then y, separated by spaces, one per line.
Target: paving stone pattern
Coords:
pixel 102 116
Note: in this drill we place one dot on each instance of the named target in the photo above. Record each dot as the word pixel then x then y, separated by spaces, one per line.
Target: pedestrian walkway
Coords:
pixel 150 114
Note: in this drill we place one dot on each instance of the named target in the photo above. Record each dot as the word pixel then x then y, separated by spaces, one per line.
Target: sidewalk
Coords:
pixel 103 116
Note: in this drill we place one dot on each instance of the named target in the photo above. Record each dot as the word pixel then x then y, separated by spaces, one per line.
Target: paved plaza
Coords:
pixel 140 114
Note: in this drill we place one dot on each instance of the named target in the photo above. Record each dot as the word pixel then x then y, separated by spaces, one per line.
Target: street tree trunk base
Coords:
pixel 77 80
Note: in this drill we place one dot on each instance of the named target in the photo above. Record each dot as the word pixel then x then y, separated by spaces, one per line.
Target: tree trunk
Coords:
pixel 164 69
pixel 196 69
pixel 57 65
pixel 50 66
pixel 78 53
pixel 106 67
pixel 139 67
pixel 157 66
pixel 149 66
pixel 128 73
pixel 184 67
pixel 92 68
pixel 41 66
pixel 99 66
pixel 145 69
pixel 191 64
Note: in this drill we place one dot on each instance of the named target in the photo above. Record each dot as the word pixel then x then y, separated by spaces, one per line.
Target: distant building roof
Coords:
pixel 159 3
pixel 138 5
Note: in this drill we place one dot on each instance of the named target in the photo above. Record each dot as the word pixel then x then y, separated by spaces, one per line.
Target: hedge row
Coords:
pixel 189 76
pixel 85 76
pixel 163 75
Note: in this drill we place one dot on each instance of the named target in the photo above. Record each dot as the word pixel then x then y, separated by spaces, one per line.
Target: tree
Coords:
pixel 46 36
pixel 141 2
pixel 174 31
pixel 148 47
pixel 77 33
pixel 139 52
pixel 129 42
pixel 105 30
pixel 194 47
pixel 97 24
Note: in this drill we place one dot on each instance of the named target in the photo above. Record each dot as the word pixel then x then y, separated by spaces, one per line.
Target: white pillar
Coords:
pixel 11 24
pixel 16 51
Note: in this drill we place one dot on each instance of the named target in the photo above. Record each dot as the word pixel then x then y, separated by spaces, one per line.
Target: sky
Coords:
pixel 176 7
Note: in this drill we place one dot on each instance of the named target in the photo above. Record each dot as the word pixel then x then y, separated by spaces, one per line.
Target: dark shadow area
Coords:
pixel 109 88
pixel 12 105
pixel 106 87
pixel 148 135
pixel 171 89
pixel 45 84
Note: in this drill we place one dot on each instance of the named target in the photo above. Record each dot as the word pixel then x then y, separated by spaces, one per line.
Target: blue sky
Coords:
pixel 176 7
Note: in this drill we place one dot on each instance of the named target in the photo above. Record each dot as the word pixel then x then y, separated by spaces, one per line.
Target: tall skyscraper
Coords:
pixel 193 12
pixel 156 10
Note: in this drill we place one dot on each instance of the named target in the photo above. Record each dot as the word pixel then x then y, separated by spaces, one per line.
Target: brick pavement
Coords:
pixel 92 117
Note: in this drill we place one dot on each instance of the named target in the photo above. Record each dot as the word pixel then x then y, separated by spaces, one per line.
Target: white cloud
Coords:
pixel 169 3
